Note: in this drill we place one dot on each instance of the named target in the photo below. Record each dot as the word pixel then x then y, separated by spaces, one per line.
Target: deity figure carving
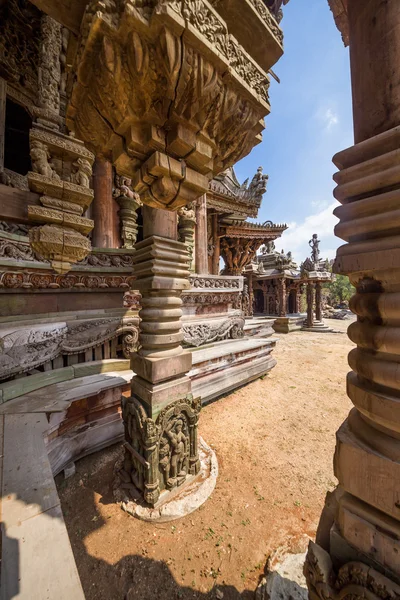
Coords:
pixel 83 172
pixel 314 245
pixel 40 156
pixel 246 301
pixel 160 454
pixel 178 455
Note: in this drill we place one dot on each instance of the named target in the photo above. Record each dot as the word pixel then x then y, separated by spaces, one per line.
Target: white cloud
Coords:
pixel 328 118
pixel 296 237
pixel 331 119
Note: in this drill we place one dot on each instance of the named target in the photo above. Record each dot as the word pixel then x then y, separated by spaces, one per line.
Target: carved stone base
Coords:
pixel 160 453
pixel 176 504
pixel 353 581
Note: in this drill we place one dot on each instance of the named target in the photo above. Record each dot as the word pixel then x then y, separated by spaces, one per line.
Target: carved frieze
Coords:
pixel 24 348
pixel 160 454
pixel 38 280
pixel 233 298
pixel 205 282
pixel 197 334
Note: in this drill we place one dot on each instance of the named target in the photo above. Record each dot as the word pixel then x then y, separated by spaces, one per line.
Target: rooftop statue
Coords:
pixel 314 245
pixel 258 185
pixel 275 6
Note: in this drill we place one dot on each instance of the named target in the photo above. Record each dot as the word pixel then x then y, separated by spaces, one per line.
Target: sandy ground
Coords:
pixel 274 441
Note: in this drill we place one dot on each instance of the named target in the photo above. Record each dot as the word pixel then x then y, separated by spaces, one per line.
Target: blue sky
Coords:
pixel 310 120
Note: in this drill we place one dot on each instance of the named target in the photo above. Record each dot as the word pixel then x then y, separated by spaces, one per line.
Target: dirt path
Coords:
pixel 274 440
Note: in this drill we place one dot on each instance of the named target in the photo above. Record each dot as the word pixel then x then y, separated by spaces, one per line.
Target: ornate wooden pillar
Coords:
pixel 187 226
pixel 282 297
pixel 310 304
pixel 201 253
pixel 251 294
pixel 161 391
pixel 106 226
pixel 362 536
pixel 216 244
pixel 318 302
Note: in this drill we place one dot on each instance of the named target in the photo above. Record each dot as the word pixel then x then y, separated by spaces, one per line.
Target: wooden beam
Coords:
pixel 68 12
pixel 14 203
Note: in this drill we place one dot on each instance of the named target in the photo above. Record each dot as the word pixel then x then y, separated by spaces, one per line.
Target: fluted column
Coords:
pixel 365 522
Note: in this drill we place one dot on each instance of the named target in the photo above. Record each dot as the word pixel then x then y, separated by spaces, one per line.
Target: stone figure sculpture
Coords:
pixel 40 156
pixel 178 444
pixel 83 172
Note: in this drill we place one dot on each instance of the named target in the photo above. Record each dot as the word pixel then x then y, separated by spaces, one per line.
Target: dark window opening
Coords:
pixel 16 144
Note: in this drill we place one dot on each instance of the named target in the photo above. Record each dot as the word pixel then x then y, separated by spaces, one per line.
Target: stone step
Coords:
pixel 225 366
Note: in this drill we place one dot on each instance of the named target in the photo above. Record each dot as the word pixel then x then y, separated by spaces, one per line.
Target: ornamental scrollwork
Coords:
pixel 198 334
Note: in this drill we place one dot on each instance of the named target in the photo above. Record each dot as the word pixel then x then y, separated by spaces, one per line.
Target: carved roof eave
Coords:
pixel 278 274
pixel 253 230
pixel 228 204
pixel 315 276
pixel 339 10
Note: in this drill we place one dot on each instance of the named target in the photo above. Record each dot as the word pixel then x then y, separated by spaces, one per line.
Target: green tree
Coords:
pixel 339 290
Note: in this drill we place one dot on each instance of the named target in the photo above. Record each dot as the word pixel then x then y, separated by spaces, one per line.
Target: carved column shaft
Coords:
pixel 265 299
pixel 366 523
pixel 251 294
pixel 187 225
pixel 201 254
pixel 105 232
pixel 282 297
pixel 216 244
pixel 310 304
pixel 318 301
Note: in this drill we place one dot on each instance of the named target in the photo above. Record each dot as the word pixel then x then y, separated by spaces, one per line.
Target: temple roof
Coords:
pixel 227 195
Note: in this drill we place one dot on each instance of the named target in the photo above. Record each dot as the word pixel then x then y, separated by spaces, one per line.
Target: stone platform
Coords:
pixel 289 323
pixel 259 327
pixel 317 327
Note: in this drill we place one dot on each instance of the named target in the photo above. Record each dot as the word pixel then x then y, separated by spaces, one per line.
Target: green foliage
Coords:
pixel 339 290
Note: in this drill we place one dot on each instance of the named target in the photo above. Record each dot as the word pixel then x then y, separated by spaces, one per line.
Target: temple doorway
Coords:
pixel 258 301
pixel 292 302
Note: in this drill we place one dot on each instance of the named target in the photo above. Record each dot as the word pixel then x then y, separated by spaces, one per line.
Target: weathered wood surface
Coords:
pixel 59 396
pixel 14 202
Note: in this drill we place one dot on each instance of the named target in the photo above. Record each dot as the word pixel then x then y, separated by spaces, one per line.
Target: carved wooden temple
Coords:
pixel 276 284
pixel 120 122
